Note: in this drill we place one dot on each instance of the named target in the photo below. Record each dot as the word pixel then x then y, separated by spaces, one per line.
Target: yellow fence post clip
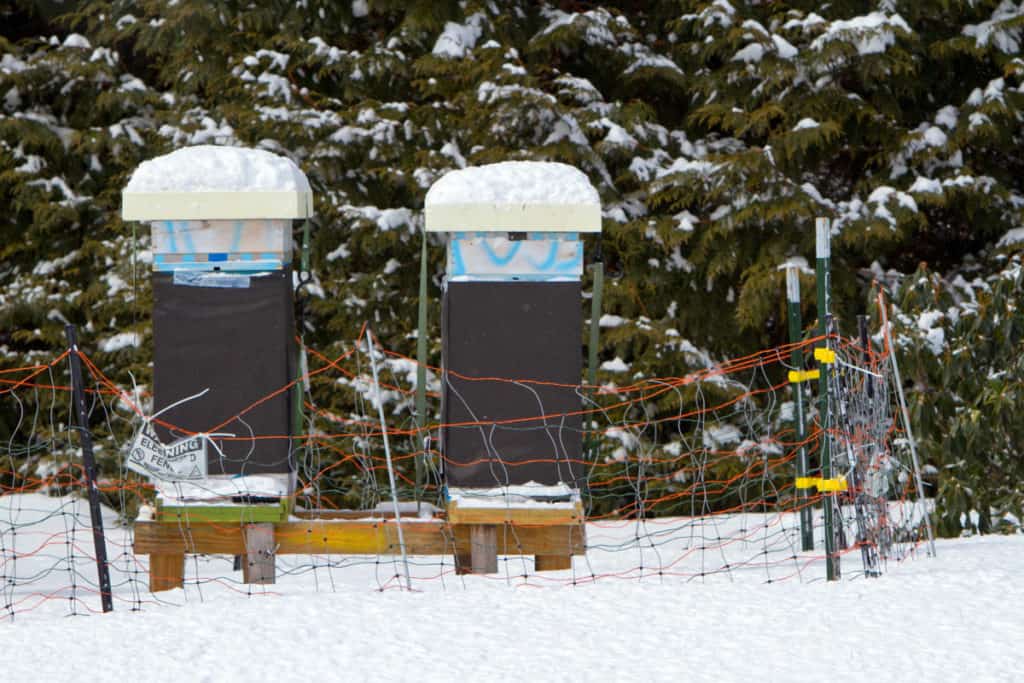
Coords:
pixel 823 485
pixel 836 484
pixel 797 376
pixel 824 355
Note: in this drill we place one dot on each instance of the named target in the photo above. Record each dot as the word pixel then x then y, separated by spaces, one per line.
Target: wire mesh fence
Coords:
pixel 694 478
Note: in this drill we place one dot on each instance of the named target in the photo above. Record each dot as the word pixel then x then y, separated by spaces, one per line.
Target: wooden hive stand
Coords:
pixel 486 517
pixel 258 532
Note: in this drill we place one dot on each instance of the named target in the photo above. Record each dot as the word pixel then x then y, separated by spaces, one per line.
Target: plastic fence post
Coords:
pixel 906 423
pixel 89 460
pixel 797 360
pixel 387 456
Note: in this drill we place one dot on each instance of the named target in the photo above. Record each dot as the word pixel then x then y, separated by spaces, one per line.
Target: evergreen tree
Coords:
pixel 715 131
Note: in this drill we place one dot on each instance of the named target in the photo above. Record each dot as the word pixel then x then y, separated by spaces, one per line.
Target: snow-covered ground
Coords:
pixel 956 617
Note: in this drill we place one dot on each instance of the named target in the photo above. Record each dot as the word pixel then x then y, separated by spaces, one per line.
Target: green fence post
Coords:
pixel 797 361
pixel 421 374
pixel 298 414
pixel 823 251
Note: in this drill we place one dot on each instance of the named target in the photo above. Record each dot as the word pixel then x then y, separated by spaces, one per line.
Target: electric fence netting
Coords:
pixel 699 478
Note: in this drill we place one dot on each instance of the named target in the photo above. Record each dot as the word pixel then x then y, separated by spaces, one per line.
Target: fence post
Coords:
pixel 89 460
pixel 592 347
pixel 387 456
pixel 421 375
pixel 898 381
pixel 301 370
pixel 797 361
pixel 823 252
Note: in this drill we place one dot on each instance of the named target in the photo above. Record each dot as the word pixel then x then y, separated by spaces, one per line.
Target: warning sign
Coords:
pixel 183 459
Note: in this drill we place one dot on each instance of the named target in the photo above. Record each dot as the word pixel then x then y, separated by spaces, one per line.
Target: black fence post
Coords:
pixel 89 460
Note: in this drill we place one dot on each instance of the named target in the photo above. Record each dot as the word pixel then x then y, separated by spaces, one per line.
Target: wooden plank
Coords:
pixel 463 564
pixel 483 549
pixel 253 513
pixel 166 571
pixel 363 515
pixel 514 539
pixel 550 563
pixel 341 537
pixel 514 515
pixel 216 539
pixel 258 563
pixel 356 538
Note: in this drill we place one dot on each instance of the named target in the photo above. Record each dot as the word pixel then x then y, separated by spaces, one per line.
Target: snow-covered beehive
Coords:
pixel 221 221
pixel 218 208
pixel 512 311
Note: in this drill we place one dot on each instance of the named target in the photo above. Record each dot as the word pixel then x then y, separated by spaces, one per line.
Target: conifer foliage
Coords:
pixel 715 131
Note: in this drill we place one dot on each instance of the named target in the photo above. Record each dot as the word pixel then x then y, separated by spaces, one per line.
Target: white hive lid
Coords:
pixel 514 196
pixel 208 182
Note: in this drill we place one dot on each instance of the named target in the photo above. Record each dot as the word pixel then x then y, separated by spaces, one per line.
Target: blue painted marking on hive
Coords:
pixel 188 238
pixel 572 264
pixel 549 262
pixel 458 267
pixel 170 234
pixel 501 260
pixel 236 238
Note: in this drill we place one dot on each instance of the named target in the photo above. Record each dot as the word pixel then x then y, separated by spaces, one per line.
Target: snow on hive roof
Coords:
pixel 214 182
pixel 514 196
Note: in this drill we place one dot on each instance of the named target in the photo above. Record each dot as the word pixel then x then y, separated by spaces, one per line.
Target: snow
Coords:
pixel 1014 236
pixel 616 365
pixel 810 20
pixel 882 195
pixel 120 341
pixel 617 135
pixel 934 137
pixel 522 496
pixel 609 320
pixel 999 30
pixel 953 618
pixel 926 186
pixel 977 120
pixel 750 54
pixel 514 182
pixel 720 435
pixel 685 221
pixel 212 168
pixel 595 23
pixel 457 39
pixel 805 124
pixel 783 47
pixel 947 117
pixel 77 40
pixel 645 58
pixel 871 33
pixel 223 488
pixel 935 337
pixel 9 64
